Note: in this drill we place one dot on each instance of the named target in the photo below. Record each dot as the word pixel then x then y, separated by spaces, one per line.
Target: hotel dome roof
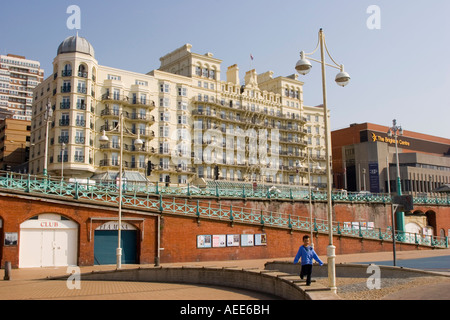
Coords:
pixel 76 44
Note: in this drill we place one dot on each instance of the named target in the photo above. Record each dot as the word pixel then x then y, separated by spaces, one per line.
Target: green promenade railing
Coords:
pixel 179 201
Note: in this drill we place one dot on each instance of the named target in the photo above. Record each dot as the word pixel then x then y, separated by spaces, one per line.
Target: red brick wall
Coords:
pixel 15 210
pixel 179 234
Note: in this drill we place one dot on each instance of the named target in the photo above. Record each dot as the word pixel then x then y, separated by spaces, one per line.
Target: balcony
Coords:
pixel 63 139
pixel 82 90
pixel 65 158
pixel 110 145
pixel 81 106
pixel 64 122
pixel 79 158
pixel 66 73
pixel 66 89
pixel 65 105
pixel 126 100
pixel 80 140
pixel 110 112
pixel 143 102
pixel 109 163
pixel 80 123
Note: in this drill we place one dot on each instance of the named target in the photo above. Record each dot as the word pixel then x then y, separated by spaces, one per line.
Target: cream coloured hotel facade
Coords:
pixel 194 118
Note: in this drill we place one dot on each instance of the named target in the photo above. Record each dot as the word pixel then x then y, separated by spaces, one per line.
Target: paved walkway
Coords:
pixel 32 283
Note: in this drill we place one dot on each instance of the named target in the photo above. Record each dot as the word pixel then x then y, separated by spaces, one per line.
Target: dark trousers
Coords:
pixel 306 271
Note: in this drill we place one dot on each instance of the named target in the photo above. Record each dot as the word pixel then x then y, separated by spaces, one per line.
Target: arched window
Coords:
pixel 67 71
pixel 82 71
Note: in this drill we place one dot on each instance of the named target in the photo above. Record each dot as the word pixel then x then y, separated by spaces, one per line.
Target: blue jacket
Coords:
pixel 307 254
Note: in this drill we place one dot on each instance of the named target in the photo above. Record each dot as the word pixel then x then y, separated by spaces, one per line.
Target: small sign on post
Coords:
pixel 405 203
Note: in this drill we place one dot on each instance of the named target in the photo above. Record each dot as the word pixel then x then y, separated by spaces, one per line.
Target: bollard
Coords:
pixel 7 271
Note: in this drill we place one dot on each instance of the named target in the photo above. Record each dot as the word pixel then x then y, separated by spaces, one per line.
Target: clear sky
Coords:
pixel 400 71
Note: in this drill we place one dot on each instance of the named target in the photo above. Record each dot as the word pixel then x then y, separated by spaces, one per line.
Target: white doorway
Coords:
pixel 48 240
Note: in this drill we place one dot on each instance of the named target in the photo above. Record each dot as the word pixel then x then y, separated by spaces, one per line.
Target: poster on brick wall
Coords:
pixel 233 240
pixel 260 239
pixel 247 240
pixel 204 241
pixel 218 241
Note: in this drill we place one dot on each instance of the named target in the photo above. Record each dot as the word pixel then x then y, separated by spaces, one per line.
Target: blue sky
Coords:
pixel 401 70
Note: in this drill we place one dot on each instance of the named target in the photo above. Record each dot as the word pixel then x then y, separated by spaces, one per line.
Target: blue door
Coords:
pixel 105 245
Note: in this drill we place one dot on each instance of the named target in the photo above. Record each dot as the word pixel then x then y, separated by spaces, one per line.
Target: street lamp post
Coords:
pixel 48 116
pixel 310 194
pixel 138 142
pixel 303 67
pixel 63 148
pixel 396 131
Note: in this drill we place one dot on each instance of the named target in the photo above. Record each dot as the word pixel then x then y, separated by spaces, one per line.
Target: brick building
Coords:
pixel 363 152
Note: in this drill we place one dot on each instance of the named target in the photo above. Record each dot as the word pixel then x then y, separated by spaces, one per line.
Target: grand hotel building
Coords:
pixel 189 119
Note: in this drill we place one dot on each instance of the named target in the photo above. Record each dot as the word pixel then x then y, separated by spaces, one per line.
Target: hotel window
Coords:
pixel 164 148
pixel 163 131
pixel 182 105
pixel 142 130
pixel 113 77
pixel 142 161
pixel 116 94
pixel 164 87
pixel 182 120
pixel 115 142
pixel 205 72
pixel 200 172
pixel 182 179
pixel 82 87
pixel 116 109
pixel 182 91
pixel 79 156
pixel 141 83
pixel 164 116
pixel 164 102
pixel 212 74
pixel 164 163
pixel 198 71
pixel 114 159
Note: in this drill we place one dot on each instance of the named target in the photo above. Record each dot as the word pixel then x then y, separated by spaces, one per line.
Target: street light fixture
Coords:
pixel 138 143
pixel 303 67
pixel 396 131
